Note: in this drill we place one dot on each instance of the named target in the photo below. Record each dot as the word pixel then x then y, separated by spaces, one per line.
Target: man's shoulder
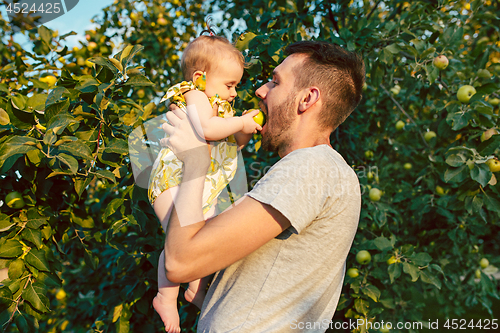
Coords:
pixel 319 156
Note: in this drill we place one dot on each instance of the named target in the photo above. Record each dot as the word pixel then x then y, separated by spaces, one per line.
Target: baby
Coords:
pixel 212 67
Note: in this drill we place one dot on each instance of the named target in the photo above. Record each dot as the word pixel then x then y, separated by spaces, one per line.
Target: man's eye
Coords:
pixel 274 82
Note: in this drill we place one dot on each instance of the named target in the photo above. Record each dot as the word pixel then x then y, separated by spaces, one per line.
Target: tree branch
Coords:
pixel 373 10
pixel 404 112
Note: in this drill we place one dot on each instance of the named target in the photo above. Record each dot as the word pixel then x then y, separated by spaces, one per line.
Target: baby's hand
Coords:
pixel 249 124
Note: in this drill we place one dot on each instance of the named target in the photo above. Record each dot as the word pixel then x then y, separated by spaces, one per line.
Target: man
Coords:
pixel 280 252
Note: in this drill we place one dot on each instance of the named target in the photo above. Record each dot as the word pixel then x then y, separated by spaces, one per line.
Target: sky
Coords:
pixel 77 19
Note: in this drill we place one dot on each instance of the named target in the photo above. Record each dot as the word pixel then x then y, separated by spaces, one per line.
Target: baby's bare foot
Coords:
pixel 168 313
pixel 195 294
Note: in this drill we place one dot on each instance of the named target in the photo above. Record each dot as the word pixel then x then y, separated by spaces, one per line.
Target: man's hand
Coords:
pixel 183 140
pixel 249 124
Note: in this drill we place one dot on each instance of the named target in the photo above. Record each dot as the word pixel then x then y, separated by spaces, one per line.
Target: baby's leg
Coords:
pixel 197 289
pixel 165 302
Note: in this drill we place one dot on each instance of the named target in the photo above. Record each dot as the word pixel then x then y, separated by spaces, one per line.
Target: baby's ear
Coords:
pixel 197 75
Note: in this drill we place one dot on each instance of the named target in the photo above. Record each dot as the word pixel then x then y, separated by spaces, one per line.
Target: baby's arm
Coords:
pixel 214 128
pixel 242 139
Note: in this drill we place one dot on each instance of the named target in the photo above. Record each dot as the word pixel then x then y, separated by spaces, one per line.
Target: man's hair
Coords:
pixel 339 74
pixel 205 53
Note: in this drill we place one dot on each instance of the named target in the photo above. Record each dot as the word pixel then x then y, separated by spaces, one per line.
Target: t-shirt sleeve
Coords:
pixel 295 186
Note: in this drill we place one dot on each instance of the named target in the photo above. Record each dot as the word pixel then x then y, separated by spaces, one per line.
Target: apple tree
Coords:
pixel 79 239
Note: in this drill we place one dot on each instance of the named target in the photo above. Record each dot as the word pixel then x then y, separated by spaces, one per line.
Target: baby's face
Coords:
pixel 223 79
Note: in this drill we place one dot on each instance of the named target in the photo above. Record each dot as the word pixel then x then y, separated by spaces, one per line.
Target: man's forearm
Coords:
pixel 186 219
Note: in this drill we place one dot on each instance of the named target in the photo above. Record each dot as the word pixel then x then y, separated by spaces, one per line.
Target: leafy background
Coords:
pixel 82 252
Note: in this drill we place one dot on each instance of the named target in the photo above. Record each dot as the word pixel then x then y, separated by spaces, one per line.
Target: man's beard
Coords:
pixel 277 137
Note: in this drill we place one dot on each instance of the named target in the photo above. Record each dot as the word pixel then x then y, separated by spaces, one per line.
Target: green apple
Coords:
pixel 365 86
pixel 441 62
pixel 407 166
pixel 369 175
pixel 396 89
pixel 375 194
pixel 363 257
pixel 400 125
pixel 488 134
pixel 162 21
pixel 353 272
pixel 92 46
pixel 141 93
pixel 429 135
pixel 260 118
pixel 493 164
pixel 14 200
pixel 494 101
pixel 464 93
pixel 484 263
pixel 477 273
pixel 369 154
pixel 484 73
pixel 439 190
pixel 61 294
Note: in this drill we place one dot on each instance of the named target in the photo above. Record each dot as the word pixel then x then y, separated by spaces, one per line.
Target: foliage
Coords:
pixel 88 230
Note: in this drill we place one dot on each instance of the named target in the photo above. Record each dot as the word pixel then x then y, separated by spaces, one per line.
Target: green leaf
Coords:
pixel 382 243
pixel 11 248
pixel 45 34
pixel 81 183
pixel 123 326
pixel 112 207
pixel 18 101
pixel 59 122
pixel 49 279
pixel 361 306
pixel 394 272
pixel 16 269
pixel 4 117
pixel 85 222
pixel 490 203
pixel 117 311
pixel 37 300
pixel 69 161
pixel 35 220
pixel 139 81
pixel 33 236
pixel 412 270
pixel 104 62
pixel 455 160
pixel 371 291
pixel 87 84
pixel 421 259
pixel 430 278
pixel 6 224
pixel 56 108
pixel 481 173
pixel 393 48
pixel 117 146
pixel 37 102
pixel 37 259
pixel 457 174
pixel 458 120
pixel 22 323
pixel 55 96
pixel 244 40
pixel 489 147
pixel 427 52
pixel 106 174
pixel 388 303
pixel 91 259
pixel 6 298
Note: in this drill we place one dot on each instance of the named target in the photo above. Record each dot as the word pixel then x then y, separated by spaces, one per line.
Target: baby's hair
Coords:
pixel 205 53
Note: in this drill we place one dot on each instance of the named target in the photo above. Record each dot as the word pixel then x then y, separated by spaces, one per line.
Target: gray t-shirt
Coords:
pixel 293 282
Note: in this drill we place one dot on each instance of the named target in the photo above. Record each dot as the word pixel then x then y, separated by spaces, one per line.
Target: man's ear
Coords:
pixel 309 97
pixel 196 75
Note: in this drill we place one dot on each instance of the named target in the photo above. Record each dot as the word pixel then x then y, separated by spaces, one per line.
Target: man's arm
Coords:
pixel 200 249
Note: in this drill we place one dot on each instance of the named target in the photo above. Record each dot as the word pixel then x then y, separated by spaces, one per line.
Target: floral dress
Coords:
pixel 167 169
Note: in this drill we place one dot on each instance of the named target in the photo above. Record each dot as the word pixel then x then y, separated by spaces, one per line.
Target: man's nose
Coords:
pixel 262 91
